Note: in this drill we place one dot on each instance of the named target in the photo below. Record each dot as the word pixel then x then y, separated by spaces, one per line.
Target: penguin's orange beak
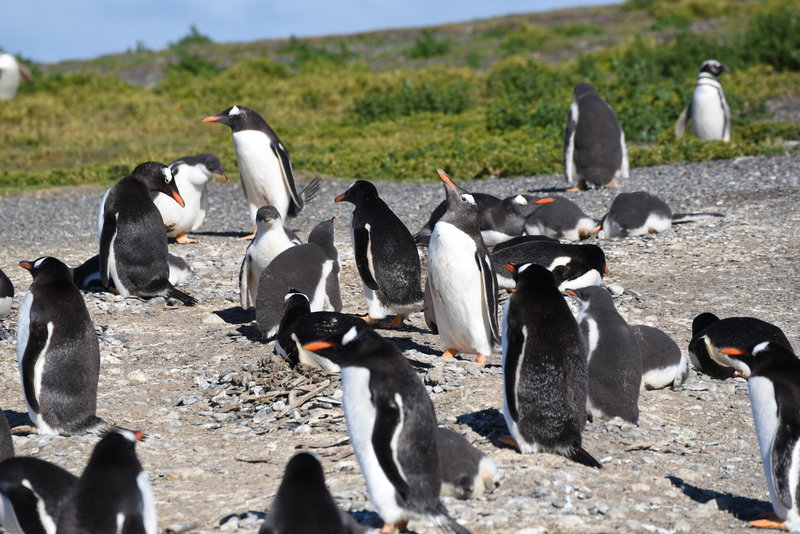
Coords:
pixel 138 436
pixel 317 345
pixel 509 267
pixel 27 265
pixel 212 118
pixel 178 198
pixel 545 201
pixel 597 229
pixel 221 176
pixel 731 351
pixel 605 270
pixel 340 198
pixel 570 292
pixel 446 179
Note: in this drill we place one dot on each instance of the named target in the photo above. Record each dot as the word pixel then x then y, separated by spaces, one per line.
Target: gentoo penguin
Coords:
pixel 113 494
pixel 392 427
pixel 133 243
pixel 595 154
pixel 6 443
pixel 773 381
pixel 299 325
pixel 562 219
pixel 386 256
pixel 544 369
pixel 57 352
pixel 615 360
pixel 663 363
pixel 304 504
pixel 264 164
pixel 6 294
pixel 87 275
pixel 709 332
pixel 466 472
pixel 11 71
pixel 640 213
pixel 271 239
pixel 311 268
pixel 708 111
pixel 191 174
pixel 461 289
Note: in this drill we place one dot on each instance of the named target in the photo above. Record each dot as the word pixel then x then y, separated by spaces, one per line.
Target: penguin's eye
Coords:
pixel 468 198
pixel 167 175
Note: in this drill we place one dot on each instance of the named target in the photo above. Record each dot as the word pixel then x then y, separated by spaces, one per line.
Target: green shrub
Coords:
pixel 774 38
pixel 194 37
pixel 193 65
pixel 428 45
pixel 305 53
pixel 578 30
pixel 526 38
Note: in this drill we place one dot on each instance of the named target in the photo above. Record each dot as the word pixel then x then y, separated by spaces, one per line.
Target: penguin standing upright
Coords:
pixel 708 111
pixel 113 494
pixel 6 294
pixel 57 352
pixel 544 369
pixel 133 243
pixel 561 218
pixel 615 360
pixel 663 363
pixel 264 164
pixel 595 154
pixel 11 71
pixel 461 289
pixel 191 174
pixel 386 256
pixel 392 425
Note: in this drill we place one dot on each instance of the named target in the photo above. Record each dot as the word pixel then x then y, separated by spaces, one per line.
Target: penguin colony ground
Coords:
pixel 164 368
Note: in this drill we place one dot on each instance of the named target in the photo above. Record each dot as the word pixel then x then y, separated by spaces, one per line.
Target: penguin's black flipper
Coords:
pixel 784 444
pixel 484 262
pixel 296 201
pixel 310 190
pixel 448 524
pixel 579 455
pixel 177 294
pixel 387 419
pixel 361 246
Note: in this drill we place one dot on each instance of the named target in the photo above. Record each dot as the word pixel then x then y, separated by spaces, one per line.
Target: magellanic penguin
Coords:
pixel 113 494
pixel 709 332
pixel 304 504
pixel 271 239
pixel 133 242
pixel 57 352
pixel 311 268
pixel 641 213
pixel 663 363
pixel 466 472
pixel 595 154
pixel 708 111
pixel 264 164
pixel 11 72
pixel 461 289
pixel 6 294
pixel 392 428
pixel 561 219
pixel 191 174
pixel 615 360
pixel 544 369
pixel 773 380
pixel 386 256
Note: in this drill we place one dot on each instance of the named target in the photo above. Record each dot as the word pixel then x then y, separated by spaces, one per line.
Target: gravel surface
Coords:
pixel 222 422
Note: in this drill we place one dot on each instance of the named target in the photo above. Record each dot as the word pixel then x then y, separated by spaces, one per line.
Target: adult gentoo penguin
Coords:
pixel 709 332
pixel 264 164
pixel 392 425
pixel 133 243
pixel 271 239
pixel 57 352
pixel 386 256
pixel 191 174
pixel 708 111
pixel 113 494
pixel 595 154
pixel 6 294
pixel 466 471
pixel 663 363
pixel 11 71
pixel 544 369
pixel 561 219
pixel 773 380
pixel 87 275
pixel 461 289
pixel 615 360
pixel 304 504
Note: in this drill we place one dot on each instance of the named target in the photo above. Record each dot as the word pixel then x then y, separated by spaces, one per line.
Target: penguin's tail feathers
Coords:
pixel 445 523
pixel 310 190
pixel 578 454
pixel 678 218
pixel 93 425
pixel 177 294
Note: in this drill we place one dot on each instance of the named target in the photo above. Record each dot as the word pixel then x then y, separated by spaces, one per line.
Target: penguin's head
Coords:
pixel 595 258
pixel 296 301
pixel 461 205
pixel 238 118
pixel 208 164
pixel 702 321
pixel 583 89
pixel 267 214
pixel 714 67
pixel 525 205
pixel 117 447
pixel 529 273
pixel 352 347
pixel 305 469
pixel 358 193
pixel 47 267
pixel 158 178
pixel 746 361
pixel 591 296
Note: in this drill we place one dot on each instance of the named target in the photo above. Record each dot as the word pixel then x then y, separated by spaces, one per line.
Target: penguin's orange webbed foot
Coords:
pixel 768 523
pixel 367 319
pixel 184 240
pixel 394 323
pixel 248 237
pixel 24 430
pixel 481 360
pixel 573 189
pixel 509 441
pixel 450 353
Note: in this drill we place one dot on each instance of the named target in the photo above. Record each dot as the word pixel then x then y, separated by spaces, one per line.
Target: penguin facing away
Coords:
pixel 11 73
pixel 385 254
pixel 191 174
pixel 595 154
pixel 57 352
pixel 466 471
pixel 663 363
pixel 708 110
pixel 461 289
pixel 562 219
pixel 6 294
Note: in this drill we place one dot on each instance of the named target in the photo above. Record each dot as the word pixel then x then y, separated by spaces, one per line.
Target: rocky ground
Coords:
pixel 223 415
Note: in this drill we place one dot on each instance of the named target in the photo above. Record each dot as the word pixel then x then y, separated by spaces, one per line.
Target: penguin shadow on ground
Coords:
pixel 250 331
pixel 407 343
pixel 548 190
pixel 743 508
pixel 489 423
pixel 217 234
pixel 236 315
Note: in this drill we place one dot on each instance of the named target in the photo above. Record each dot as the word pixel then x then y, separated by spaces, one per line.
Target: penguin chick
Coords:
pixel 663 363
pixel 466 472
pixel 6 294
pixel 561 219
pixel 708 110
pixel 385 254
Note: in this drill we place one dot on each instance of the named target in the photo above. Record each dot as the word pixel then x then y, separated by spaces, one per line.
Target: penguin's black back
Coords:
pixel 598 153
pixel 6 287
pixel 631 210
pixel 544 251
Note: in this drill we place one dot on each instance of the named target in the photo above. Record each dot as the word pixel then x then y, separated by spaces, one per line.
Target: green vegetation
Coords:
pixel 488 98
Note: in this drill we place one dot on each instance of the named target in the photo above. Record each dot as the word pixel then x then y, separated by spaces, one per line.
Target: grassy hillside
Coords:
pixel 482 98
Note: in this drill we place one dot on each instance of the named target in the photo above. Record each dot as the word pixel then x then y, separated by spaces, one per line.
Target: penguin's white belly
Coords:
pixel 663 376
pixel 179 219
pixel 589 278
pixel 8 518
pixel 493 237
pixel 5 305
pixel 149 517
pixel 262 176
pixel 708 114
pixel 320 301
pixel 574 234
pixel 457 291
pixel 9 79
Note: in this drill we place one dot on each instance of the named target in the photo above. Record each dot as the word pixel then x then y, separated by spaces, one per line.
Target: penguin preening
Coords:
pixel 191 174
pixel 544 369
pixel 461 288
pixel 6 294
pixel 385 254
pixel 264 164
pixel 11 73
pixel 466 471
pixel 708 110
pixel 133 242
pixel 663 363
pixel 595 154
pixel 561 219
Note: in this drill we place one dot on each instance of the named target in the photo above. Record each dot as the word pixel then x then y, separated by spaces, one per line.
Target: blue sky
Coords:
pixel 54 30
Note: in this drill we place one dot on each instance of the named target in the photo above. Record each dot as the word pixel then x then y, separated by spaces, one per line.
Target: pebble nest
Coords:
pixel 223 414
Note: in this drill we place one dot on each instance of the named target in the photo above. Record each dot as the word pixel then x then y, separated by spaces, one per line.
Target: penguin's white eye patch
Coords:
pixel 167 174
pixel 519 199
pixel 760 347
pixel 521 268
pixel 350 335
pixel 468 198
pixel 38 263
pixel 234 111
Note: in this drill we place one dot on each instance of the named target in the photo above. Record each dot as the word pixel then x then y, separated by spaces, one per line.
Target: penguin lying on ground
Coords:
pixel 561 219
pixel 392 428
pixel 708 111
pixel 11 71
pixel 6 294
pixel 191 174
pixel 663 363
pixel 386 256
pixel 87 275
pixel 640 213
pixel 466 472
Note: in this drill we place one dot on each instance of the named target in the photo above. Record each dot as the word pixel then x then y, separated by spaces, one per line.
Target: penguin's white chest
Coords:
pixel 708 111
pixel 261 171
pixel 179 219
pixel 9 77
